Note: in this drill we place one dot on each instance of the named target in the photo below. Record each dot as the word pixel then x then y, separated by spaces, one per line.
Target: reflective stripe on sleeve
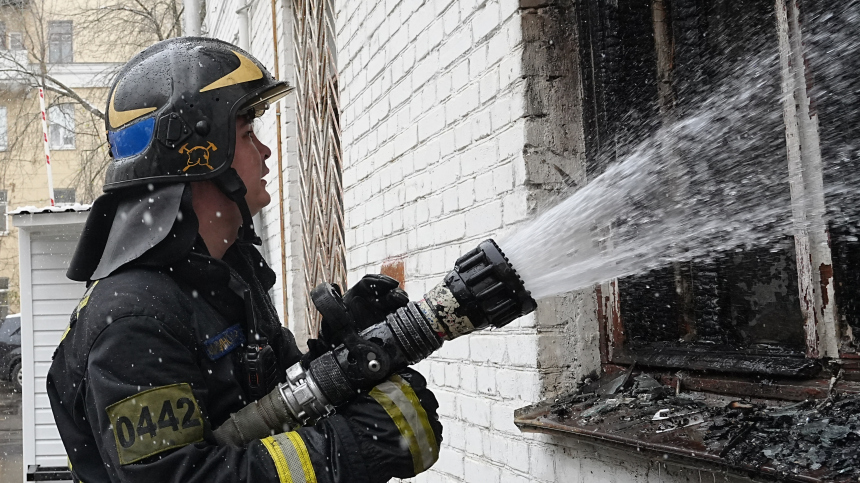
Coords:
pixel 402 405
pixel 291 458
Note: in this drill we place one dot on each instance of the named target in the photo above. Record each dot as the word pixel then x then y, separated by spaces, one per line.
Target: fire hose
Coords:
pixel 483 290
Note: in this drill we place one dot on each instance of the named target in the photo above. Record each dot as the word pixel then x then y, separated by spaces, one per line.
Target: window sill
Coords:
pixel 725 438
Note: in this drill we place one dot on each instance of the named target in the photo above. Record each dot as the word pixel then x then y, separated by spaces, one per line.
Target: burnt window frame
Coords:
pixel 823 335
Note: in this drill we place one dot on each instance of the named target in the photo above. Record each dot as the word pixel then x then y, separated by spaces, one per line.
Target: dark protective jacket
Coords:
pixel 151 363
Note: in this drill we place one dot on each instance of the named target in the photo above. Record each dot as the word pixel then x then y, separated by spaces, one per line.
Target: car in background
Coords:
pixel 10 350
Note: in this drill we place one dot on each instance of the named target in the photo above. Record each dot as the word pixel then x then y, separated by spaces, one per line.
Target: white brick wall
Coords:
pixel 434 129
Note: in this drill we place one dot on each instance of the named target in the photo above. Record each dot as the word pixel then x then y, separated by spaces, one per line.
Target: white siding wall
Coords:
pixel 46 245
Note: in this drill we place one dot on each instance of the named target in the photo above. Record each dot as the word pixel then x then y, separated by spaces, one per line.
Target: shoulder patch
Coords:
pixel 221 344
pixel 155 420
pixel 86 298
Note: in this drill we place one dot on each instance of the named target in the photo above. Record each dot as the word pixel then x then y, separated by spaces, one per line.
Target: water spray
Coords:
pixel 483 290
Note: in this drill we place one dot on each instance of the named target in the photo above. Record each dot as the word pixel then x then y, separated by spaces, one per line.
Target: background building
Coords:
pixel 73 49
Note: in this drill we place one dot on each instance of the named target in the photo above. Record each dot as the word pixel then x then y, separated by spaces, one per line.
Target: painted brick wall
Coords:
pixel 454 113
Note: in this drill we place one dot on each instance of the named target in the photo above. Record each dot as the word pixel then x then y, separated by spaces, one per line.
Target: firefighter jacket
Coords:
pixel 151 363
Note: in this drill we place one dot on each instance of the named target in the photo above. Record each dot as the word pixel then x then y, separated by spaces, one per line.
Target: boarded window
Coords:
pixel 60 41
pixel 61 126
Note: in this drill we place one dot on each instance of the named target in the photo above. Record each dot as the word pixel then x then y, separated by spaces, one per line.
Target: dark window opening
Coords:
pixel 740 311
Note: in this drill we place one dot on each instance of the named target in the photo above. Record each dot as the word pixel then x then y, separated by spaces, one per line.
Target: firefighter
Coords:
pixel 175 331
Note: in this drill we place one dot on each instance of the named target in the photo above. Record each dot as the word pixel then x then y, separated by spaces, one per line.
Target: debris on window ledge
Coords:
pixel 811 440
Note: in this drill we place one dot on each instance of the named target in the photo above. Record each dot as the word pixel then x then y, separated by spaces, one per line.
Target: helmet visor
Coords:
pixel 131 140
pixel 257 104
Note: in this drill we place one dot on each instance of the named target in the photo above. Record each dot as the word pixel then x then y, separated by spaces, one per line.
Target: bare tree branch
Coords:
pixel 116 31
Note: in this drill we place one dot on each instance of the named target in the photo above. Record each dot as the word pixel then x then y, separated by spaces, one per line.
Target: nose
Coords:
pixel 265 152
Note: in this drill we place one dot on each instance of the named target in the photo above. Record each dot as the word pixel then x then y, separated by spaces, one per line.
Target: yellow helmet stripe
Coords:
pixel 246 72
pixel 119 118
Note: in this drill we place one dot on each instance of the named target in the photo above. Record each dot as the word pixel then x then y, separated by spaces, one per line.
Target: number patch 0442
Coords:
pixel 155 420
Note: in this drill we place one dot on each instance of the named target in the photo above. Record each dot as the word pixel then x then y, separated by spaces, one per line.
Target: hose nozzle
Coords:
pixel 482 290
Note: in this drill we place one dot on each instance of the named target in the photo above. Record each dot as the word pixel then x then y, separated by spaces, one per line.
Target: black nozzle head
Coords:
pixel 487 288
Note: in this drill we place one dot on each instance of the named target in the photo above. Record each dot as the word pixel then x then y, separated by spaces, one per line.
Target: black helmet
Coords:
pixel 171 113
pixel 171 116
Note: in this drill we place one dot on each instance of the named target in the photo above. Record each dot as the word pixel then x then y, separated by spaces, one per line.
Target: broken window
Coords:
pixel 749 309
pixel 746 357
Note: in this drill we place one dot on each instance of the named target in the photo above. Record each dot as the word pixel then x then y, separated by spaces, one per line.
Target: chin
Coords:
pixel 261 203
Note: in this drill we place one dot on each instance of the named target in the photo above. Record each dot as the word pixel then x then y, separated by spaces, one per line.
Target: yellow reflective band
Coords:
pixel 86 298
pixel 292 461
pixel 65 333
pixel 278 457
pixel 304 457
pixel 401 403
pixel 422 417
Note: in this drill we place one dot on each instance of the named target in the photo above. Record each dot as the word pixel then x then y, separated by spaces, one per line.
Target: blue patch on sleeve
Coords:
pixel 221 344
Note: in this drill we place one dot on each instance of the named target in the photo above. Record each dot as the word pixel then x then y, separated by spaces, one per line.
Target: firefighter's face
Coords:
pixel 249 161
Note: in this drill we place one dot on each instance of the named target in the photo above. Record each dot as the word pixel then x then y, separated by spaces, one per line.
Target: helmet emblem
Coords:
pixel 197 156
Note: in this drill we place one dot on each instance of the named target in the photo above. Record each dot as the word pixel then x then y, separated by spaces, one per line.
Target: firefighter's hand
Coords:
pixel 373 298
pixel 368 302
pixel 396 427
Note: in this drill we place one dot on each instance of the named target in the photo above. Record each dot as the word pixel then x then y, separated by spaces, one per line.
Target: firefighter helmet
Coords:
pixel 171 113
